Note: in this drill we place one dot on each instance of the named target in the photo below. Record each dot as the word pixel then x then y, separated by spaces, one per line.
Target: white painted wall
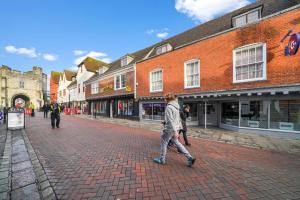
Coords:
pixel 82 76
pixel 62 85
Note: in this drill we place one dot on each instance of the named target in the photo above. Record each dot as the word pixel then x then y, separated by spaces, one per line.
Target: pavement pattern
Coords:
pixel 278 141
pixel 87 159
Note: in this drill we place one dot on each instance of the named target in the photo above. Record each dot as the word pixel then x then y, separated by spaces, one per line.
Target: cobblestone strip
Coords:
pixel 44 186
pixel 5 169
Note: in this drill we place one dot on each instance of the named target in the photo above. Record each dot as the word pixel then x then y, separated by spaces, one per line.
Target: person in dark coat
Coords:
pixel 46 110
pixel 55 110
pixel 184 114
pixel 4 114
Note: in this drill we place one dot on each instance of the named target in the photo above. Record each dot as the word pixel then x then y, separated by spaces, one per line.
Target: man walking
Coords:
pixel 184 114
pixel 46 110
pixel 171 131
pixel 55 115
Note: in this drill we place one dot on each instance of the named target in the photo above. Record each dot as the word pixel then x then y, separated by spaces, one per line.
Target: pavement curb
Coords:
pixel 5 169
pixel 45 189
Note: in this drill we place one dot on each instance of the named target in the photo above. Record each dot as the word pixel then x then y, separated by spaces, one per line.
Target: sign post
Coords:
pixel 15 119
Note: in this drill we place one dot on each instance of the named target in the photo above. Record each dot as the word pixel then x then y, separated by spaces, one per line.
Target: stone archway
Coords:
pixel 20 100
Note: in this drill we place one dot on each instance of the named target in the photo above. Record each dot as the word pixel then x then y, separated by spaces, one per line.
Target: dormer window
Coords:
pixel 247 18
pixel 73 78
pixel 163 49
pixel 126 60
pixel 102 70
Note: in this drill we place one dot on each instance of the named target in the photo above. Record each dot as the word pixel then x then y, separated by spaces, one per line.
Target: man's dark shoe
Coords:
pixel 57 126
pixel 188 144
pixel 191 161
pixel 53 127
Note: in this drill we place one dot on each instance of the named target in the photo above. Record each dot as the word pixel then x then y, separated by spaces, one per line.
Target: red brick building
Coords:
pixel 54 81
pixel 232 71
pixel 111 92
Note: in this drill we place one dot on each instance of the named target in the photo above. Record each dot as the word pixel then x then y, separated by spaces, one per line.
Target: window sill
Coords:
pixel 250 80
pixel 191 87
pixel 120 88
pixel 156 91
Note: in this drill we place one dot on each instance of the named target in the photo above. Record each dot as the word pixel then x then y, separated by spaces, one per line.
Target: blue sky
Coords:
pixel 57 34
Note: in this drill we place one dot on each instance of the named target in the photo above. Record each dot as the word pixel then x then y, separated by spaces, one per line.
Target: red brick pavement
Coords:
pixel 87 159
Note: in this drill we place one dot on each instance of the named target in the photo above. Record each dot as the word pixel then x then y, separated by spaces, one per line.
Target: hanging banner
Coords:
pixel 16 119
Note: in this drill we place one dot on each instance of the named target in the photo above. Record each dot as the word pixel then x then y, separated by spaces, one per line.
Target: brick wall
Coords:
pixel 216 55
pixel 53 90
pixel 106 87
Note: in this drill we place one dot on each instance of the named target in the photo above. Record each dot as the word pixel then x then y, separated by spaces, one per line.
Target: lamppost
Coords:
pixel 69 100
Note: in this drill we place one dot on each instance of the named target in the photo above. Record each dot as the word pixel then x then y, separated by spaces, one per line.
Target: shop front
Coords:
pixel 280 115
pixel 125 107
pixel 99 108
pixel 155 110
pixel 276 113
pixel 122 106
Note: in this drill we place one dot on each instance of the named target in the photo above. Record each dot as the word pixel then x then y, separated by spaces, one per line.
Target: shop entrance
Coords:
pixel 211 114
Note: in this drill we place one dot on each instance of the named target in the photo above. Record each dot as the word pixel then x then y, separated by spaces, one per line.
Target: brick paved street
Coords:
pixel 91 159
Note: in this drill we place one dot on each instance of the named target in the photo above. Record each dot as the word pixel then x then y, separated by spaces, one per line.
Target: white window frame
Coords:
pixel 95 88
pixel 162 79
pixel 167 47
pixel 264 58
pixel 185 78
pixel 124 61
pixel 246 15
pixel 115 82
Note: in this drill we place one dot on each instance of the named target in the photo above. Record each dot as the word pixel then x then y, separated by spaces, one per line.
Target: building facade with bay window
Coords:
pixel 233 71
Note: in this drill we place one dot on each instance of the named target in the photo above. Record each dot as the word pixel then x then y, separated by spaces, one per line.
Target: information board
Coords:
pixel 15 120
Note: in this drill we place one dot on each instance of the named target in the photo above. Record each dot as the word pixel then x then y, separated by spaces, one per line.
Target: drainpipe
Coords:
pixel 6 96
pixel 134 68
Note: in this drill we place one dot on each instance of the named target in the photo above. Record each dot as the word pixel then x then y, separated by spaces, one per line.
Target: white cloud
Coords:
pixel 151 31
pixel 205 10
pixel 50 57
pixel 106 60
pixel 162 35
pixel 94 54
pixel 30 52
pixel 79 52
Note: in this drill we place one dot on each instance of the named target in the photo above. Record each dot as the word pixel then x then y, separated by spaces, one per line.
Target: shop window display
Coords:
pixel 230 113
pixel 254 114
pixel 285 115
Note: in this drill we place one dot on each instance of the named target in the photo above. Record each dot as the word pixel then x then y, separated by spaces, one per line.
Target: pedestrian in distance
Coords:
pixel 46 110
pixel 31 105
pixel 184 114
pixel 5 110
pixel 171 129
pixel 55 110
